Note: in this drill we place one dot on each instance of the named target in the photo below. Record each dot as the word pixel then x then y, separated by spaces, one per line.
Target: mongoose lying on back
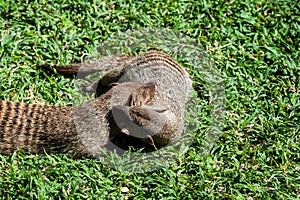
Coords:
pixel 148 103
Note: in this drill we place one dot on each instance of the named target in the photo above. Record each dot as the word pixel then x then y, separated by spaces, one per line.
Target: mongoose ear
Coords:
pixel 153 125
pixel 143 94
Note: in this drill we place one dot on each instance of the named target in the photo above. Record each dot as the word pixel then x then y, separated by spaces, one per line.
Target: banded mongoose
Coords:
pixel 157 109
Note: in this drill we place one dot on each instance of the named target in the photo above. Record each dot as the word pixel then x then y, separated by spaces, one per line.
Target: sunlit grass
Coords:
pixel 255 47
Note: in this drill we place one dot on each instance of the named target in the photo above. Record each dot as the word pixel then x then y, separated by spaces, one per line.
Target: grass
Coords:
pixel 255 48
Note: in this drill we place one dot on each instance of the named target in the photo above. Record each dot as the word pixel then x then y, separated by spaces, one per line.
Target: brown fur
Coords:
pixel 76 130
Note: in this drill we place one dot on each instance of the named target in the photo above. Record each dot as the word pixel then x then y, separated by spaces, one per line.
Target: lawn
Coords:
pixel 253 47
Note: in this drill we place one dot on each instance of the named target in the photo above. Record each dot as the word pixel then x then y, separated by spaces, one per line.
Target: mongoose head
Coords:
pixel 155 126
